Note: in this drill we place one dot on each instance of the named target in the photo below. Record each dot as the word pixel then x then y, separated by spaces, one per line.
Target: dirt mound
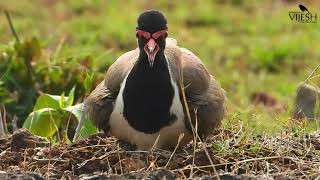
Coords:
pixel 227 154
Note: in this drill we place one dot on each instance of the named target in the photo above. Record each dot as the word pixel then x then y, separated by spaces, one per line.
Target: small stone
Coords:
pixel 305 102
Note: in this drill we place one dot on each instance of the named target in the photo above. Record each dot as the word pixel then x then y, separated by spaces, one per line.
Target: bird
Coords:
pixel 140 101
pixel 303 8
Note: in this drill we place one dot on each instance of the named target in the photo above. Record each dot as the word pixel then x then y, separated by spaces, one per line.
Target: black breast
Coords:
pixel 148 96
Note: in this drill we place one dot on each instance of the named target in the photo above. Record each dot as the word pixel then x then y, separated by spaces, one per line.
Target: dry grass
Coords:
pixel 286 156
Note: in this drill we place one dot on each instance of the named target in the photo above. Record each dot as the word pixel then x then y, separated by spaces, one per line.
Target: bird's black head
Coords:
pixel 151 33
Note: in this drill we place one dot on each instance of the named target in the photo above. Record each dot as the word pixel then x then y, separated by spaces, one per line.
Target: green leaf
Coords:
pixel 47 101
pixel 44 122
pixel 88 128
pixel 62 101
pixel 219 147
pixel 57 98
pixel 88 82
pixel 254 148
pixel 71 96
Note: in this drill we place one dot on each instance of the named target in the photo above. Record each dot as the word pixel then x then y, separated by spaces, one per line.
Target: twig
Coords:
pixel 238 162
pixel 208 156
pixel 155 144
pixel 25 159
pixel 92 159
pixel 120 160
pixel 2 126
pixel 184 99
pixel 54 125
pixel 175 149
pixel 49 159
pixel 14 123
pixel 110 170
pixel 84 147
pixel 80 124
pixel 14 33
pixel 312 72
pixel 27 62
pixel 194 147
pixel 5 120
pixel 65 131
pixel 54 159
pixel 148 152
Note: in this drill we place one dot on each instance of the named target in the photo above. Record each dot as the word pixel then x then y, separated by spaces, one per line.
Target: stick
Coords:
pixel 175 149
pixel 14 33
pixel 2 131
pixel 184 99
pixel 5 120
pixel 80 124
pixel 313 71
pixel 238 162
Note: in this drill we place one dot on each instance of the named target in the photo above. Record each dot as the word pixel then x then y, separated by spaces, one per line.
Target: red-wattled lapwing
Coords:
pixel 140 100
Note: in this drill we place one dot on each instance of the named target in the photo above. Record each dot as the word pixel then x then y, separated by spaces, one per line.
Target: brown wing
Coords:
pixel 101 101
pixel 203 93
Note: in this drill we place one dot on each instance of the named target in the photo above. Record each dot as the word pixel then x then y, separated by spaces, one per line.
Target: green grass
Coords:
pixel 248 46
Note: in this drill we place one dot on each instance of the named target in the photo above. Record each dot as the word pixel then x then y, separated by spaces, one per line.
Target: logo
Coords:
pixel 303 16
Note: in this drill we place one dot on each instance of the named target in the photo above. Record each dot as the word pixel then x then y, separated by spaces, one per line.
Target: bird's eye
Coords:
pixel 143 34
pixel 162 34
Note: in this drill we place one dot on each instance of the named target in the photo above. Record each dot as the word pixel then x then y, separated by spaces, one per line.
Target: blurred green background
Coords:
pixel 249 46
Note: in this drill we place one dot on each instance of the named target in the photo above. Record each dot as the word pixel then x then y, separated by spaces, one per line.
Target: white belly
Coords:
pixel 168 135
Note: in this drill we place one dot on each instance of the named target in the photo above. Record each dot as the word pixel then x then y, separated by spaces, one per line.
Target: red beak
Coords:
pixel 151 48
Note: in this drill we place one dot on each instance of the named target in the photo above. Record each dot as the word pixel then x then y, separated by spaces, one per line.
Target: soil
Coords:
pixel 25 156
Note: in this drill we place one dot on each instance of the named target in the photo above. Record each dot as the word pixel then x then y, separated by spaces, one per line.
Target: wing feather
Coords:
pixel 100 102
pixel 203 93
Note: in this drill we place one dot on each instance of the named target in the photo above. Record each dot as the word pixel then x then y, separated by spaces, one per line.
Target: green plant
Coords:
pixel 55 118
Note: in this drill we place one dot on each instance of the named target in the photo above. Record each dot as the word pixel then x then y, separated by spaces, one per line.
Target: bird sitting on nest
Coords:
pixel 141 100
